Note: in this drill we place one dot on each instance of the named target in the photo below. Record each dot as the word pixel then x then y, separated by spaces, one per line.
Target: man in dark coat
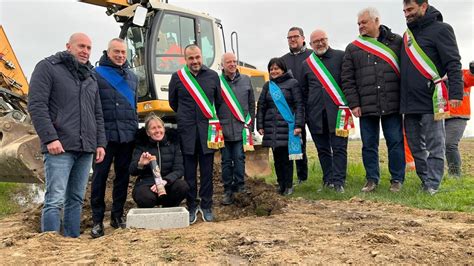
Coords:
pixel 233 155
pixel 372 88
pixel 426 136
pixel 193 131
pixel 121 122
pixel 65 109
pixel 293 59
pixel 321 113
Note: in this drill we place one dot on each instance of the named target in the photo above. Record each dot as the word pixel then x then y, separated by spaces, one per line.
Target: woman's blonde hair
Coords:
pixel 152 116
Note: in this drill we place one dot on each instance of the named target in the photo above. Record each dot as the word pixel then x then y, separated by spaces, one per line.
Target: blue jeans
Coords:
pixel 233 166
pixel 454 130
pixel 393 134
pixel 426 139
pixel 66 181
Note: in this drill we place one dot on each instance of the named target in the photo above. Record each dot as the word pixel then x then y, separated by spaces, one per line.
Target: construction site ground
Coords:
pixel 260 228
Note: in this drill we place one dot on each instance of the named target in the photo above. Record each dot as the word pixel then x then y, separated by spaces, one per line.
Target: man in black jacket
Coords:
pixel 425 135
pixel 293 59
pixel 65 108
pixel 371 83
pixel 321 113
pixel 121 122
pixel 233 155
pixel 193 129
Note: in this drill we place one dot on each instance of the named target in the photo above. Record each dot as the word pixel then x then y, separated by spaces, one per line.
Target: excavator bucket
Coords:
pixel 257 162
pixel 20 155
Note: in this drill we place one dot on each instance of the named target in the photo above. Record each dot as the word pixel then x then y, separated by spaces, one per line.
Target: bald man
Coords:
pixel 65 108
pixel 321 110
pixel 233 155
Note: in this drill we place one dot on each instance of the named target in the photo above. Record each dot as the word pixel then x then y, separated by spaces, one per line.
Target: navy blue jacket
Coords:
pixel 269 118
pixel 437 40
pixel 191 121
pixel 121 120
pixel 65 105
pixel 317 99
pixel 168 156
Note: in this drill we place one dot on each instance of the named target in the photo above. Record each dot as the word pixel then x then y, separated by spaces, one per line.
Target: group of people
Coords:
pixel 84 115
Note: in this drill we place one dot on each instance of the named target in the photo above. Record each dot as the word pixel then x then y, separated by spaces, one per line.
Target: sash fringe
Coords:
pixel 248 148
pixel 441 116
pixel 342 133
pixel 293 157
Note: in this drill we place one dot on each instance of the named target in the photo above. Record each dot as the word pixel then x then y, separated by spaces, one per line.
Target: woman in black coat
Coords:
pixel 272 125
pixel 153 144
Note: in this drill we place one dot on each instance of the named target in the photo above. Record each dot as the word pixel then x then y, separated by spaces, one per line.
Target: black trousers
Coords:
pixel 121 155
pixel 302 165
pixel 332 153
pixel 145 198
pixel 283 167
pixel 206 188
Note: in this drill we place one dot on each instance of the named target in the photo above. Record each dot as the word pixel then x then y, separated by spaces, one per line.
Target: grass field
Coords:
pixel 454 194
pixel 7 204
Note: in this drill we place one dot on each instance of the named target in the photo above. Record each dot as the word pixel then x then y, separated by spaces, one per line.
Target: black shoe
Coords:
pixel 117 222
pixel 227 199
pixel 97 230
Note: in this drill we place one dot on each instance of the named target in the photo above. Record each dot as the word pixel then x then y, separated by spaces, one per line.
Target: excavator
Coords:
pixel 156 33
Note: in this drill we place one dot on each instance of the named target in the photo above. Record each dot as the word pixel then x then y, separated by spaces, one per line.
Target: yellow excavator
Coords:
pixel 20 156
pixel 156 33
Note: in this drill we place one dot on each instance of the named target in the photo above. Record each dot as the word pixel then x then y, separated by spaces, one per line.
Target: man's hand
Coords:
pixel 297 131
pixel 55 147
pixel 261 131
pixel 357 112
pixel 455 103
pixel 100 154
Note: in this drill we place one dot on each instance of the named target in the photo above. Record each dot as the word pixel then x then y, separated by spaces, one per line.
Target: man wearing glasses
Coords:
pixel 293 60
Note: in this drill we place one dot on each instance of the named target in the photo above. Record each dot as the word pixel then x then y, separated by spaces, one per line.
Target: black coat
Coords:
pixel 368 81
pixel 121 119
pixel 167 151
pixel 242 88
pixel 191 121
pixel 294 62
pixel 437 40
pixel 317 100
pixel 268 116
pixel 65 105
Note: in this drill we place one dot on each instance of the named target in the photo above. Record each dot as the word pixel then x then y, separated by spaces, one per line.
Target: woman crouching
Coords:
pixel 153 145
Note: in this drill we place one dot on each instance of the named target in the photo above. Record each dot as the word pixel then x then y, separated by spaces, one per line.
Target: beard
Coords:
pixel 321 51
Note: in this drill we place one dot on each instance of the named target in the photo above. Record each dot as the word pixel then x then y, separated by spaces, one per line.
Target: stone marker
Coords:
pixel 158 218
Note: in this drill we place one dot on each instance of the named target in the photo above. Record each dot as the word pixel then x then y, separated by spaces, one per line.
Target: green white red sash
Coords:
pixel 344 120
pixel 428 69
pixel 236 109
pixel 371 45
pixel 215 138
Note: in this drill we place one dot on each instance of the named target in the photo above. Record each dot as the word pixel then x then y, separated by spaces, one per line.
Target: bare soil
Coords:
pixel 261 228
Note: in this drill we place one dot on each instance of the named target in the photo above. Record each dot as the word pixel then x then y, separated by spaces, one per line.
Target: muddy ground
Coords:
pixel 261 228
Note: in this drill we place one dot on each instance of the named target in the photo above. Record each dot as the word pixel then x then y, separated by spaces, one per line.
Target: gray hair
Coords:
pixel 115 40
pixel 372 11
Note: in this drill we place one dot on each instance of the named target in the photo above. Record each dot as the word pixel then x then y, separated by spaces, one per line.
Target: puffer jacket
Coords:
pixel 64 104
pixel 368 81
pixel 242 88
pixel 317 100
pixel 168 156
pixel 120 117
pixel 437 40
pixel 269 118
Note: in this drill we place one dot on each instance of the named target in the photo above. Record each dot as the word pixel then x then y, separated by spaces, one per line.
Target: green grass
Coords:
pixel 454 194
pixel 7 204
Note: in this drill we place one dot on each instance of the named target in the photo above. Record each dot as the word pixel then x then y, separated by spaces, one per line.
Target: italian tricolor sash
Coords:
pixel 428 69
pixel 215 138
pixel 236 109
pixel 371 45
pixel 344 120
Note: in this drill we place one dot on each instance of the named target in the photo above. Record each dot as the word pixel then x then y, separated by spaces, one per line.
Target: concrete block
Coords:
pixel 158 218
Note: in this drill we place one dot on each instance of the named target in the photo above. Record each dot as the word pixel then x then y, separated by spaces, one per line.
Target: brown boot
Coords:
pixel 369 186
pixel 395 187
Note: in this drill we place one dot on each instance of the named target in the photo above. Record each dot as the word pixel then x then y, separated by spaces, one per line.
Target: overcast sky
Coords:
pixel 37 29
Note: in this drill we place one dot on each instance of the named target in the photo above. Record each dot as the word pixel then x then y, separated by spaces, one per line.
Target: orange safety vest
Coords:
pixel 464 110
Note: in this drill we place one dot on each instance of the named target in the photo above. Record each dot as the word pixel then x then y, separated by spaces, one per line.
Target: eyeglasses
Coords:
pixel 293 37
pixel 320 41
